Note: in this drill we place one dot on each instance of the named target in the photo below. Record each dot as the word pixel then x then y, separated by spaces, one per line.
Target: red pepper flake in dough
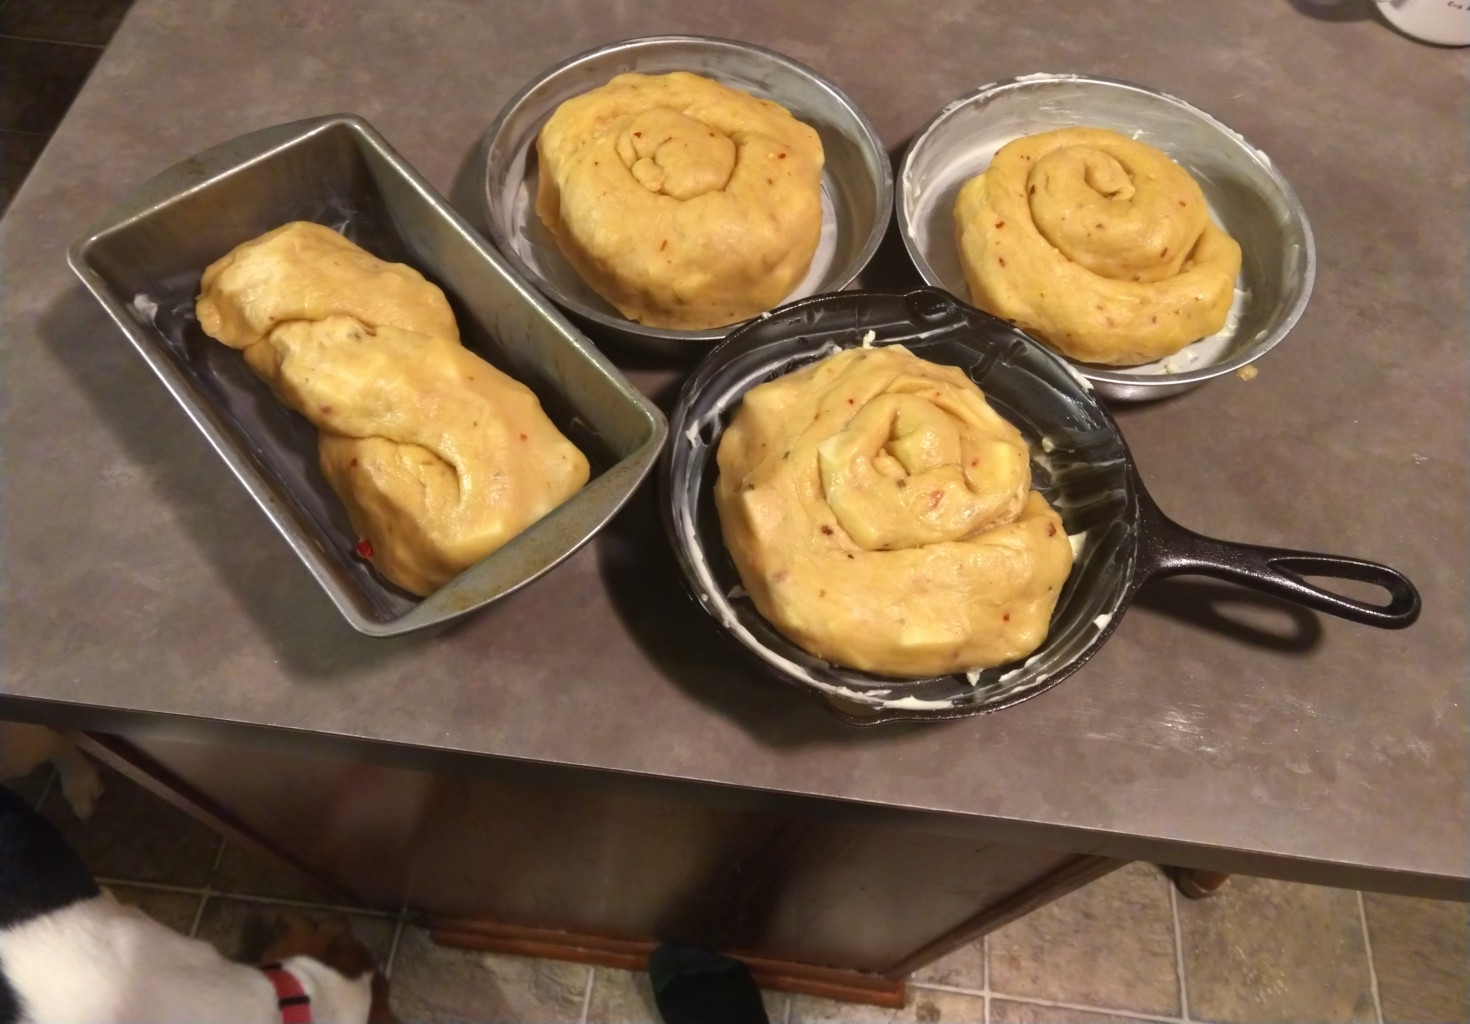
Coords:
pixel 1002 260
pixel 523 437
pixel 1000 223
pixel 1006 617
pixel 353 464
pixel 780 156
pixel 363 548
pixel 663 245
pixel 827 529
pixel 1051 529
pixel 935 498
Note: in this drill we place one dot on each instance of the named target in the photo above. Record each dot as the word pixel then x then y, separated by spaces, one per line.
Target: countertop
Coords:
pixel 142 589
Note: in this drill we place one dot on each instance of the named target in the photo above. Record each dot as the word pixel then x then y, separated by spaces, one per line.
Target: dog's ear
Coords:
pixel 286 930
pixel 342 952
pixel 329 941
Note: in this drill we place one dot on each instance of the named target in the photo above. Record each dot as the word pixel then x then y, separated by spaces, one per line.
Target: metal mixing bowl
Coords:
pixel 1247 195
pixel 857 180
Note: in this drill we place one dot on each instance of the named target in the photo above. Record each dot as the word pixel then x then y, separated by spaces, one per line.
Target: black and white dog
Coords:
pixel 70 952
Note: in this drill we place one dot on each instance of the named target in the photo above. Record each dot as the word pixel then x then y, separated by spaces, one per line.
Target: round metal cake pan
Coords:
pixel 1247 196
pixel 1079 461
pixel 857 178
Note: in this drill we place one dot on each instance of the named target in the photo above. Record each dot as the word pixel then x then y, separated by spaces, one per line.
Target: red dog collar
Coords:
pixel 294 1003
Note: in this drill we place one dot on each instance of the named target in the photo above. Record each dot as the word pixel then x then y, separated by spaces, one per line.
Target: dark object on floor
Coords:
pixel 39 872
pixel 695 986
pixel 1198 884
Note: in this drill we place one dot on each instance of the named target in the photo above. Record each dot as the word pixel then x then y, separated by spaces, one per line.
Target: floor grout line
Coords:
pixel 188 890
pixel 219 856
pixel 1368 949
pixel 219 852
pixel 198 915
pixel 99 47
pixel 46 787
pixel 277 901
pixel 985 975
pixel 1179 950
pixel 985 963
pixel 393 946
pixel 1057 1004
pixel 587 995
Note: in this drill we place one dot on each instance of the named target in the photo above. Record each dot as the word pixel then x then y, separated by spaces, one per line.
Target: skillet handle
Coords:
pixel 1168 549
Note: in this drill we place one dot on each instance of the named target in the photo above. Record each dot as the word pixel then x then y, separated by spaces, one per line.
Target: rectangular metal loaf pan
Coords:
pixel 143 261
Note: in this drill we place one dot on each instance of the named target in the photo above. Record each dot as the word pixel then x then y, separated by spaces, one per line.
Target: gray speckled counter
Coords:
pixel 143 591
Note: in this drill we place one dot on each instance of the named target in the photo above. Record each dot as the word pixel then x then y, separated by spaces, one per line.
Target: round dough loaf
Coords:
pixel 685 203
pixel 1097 244
pixel 881 516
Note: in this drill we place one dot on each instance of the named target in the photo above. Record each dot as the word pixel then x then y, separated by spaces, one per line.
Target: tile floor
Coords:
pixel 47 50
pixel 1125 948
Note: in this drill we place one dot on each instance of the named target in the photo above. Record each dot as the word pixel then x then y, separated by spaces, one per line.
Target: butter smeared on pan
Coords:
pixel 1099 245
pixel 439 458
pixel 881 516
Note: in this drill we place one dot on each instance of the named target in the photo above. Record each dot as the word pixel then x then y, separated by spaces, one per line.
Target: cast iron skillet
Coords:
pixel 1079 461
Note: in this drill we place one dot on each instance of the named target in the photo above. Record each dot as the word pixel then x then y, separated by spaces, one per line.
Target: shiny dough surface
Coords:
pixel 881 516
pixel 685 203
pixel 439 457
pixel 1100 245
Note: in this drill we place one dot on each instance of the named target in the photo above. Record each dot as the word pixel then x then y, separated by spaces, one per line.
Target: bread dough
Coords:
pixel 685 203
pixel 305 271
pixel 439 457
pixel 881 516
pixel 1097 244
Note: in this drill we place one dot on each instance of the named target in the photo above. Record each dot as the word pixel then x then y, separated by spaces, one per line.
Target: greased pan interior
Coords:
pixel 143 259
pixel 1079 462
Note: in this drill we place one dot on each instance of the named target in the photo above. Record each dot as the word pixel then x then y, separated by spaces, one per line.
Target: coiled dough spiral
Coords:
pixel 1099 245
pixel 439 457
pixel 881 516
pixel 685 203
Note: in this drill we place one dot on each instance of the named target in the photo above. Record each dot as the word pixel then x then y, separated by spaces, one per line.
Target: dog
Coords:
pixel 70 952
pixel 24 748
